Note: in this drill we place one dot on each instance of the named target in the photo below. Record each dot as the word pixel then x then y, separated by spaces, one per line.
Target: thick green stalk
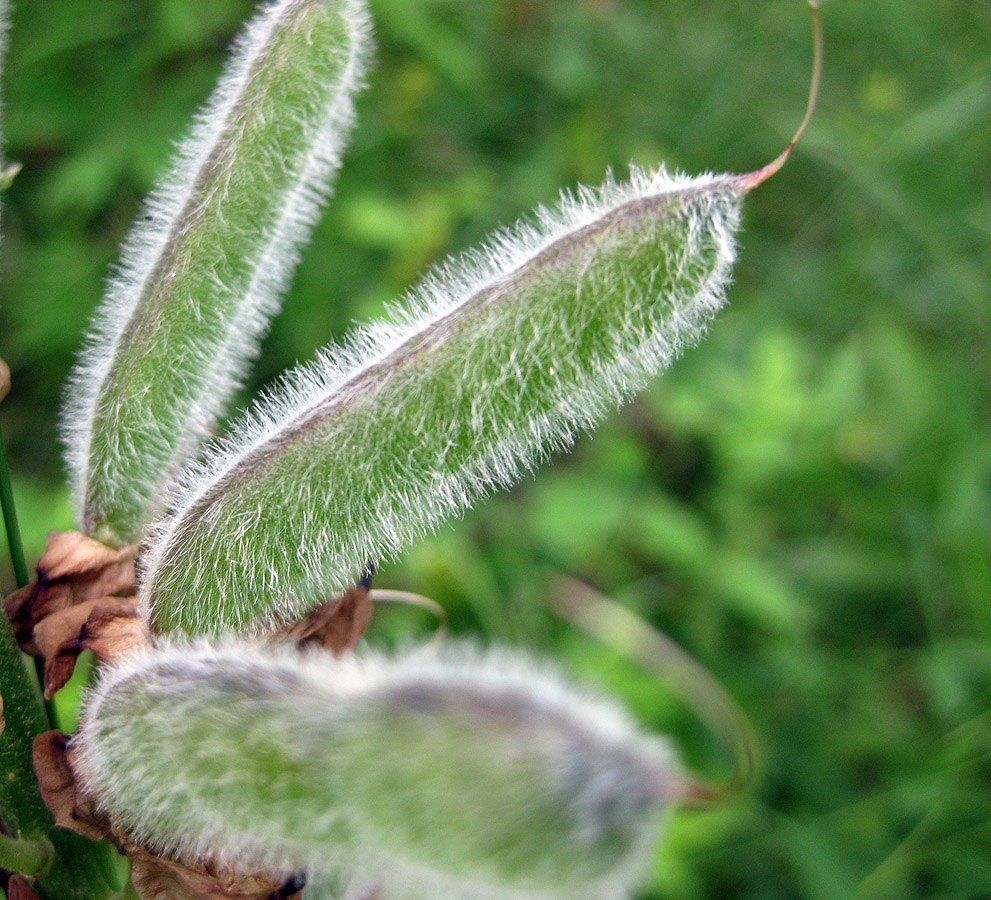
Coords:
pixel 27 857
pixel 21 807
pixel 78 868
pixel 76 871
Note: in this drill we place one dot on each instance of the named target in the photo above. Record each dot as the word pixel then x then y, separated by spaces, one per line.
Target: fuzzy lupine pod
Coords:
pixel 495 360
pixel 469 775
pixel 203 268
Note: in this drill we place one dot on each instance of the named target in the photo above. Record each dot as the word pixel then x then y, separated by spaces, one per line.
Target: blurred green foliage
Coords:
pixel 804 501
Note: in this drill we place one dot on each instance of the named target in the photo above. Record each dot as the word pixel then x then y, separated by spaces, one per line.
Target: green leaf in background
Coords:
pixel 495 360
pixel 204 267
pixel 466 776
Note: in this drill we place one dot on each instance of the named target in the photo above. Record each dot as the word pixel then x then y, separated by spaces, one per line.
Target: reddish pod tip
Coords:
pixel 752 179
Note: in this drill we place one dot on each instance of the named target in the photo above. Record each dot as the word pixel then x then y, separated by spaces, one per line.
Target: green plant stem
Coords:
pixel 16 547
pixel 26 857
pixel 10 521
pixel 24 713
pixel 76 869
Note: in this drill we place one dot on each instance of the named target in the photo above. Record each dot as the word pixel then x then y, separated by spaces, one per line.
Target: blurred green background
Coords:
pixel 803 501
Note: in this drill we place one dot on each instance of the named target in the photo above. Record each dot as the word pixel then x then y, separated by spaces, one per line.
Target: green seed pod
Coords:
pixel 473 776
pixel 496 360
pixel 203 269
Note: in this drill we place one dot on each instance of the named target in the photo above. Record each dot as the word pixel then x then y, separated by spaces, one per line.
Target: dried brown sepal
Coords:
pixel 71 808
pixel 154 877
pixel 4 380
pixel 73 569
pixel 19 889
pixel 336 625
pixel 162 879
pixel 109 626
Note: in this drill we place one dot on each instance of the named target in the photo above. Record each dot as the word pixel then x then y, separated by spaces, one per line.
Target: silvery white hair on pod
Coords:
pixel 219 360
pixel 349 459
pixel 472 775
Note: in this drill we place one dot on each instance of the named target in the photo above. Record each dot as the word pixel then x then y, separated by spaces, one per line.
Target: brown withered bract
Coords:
pixel 109 626
pixel 154 877
pixel 71 808
pixel 72 570
pixel 336 625
pixel 19 889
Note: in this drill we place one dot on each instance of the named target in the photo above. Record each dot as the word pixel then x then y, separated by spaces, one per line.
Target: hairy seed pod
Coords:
pixel 470 775
pixel 493 361
pixel 203 268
